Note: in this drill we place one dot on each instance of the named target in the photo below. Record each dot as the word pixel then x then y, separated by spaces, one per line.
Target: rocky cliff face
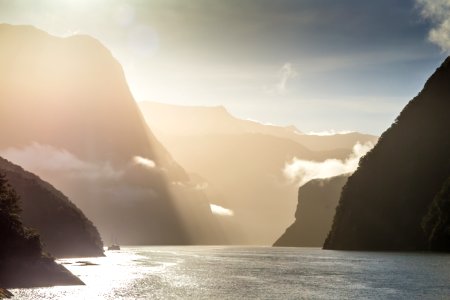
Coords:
pixel 385 202
pixel 64 229
pixel 317 201
pixel 67 115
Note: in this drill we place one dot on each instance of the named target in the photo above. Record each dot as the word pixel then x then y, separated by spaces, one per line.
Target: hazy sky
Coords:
pixel 317 64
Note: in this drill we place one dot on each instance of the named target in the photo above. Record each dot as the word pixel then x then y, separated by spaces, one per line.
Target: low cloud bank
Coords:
pixel 37 157
pixel 301 171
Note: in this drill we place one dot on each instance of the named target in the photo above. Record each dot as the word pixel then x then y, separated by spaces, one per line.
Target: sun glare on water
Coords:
pixel 104 277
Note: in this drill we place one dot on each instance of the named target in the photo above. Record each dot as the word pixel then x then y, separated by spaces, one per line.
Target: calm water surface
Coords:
pixel 253 273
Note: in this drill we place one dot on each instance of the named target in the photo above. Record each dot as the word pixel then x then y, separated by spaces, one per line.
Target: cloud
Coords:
pixel 286 73
pixel 99 179
pixel 37 157
pixel 148 163
pixel 221 211
pixel 438 13
pixel 302 171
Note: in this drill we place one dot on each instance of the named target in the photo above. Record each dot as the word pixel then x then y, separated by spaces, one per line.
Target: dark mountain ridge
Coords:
pixel 22 262
pixel 384 203
pixel 64 229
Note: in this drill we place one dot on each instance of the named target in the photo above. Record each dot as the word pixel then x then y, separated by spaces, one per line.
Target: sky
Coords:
pixel 316 64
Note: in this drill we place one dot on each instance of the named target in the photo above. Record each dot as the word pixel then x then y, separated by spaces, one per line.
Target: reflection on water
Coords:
pixel 261 272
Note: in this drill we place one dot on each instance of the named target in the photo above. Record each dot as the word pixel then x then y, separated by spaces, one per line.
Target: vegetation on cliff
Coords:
pixel 22 262
pixel 64 229
pixel 384 203
pixel 436 223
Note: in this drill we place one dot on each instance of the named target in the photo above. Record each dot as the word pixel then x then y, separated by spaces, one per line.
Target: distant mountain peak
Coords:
pixel 206 120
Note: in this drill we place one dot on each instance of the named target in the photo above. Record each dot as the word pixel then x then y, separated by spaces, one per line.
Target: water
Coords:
pixel 253 273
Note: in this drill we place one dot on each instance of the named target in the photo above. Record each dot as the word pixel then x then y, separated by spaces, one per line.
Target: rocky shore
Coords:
pixel 40 272
pixel 5 294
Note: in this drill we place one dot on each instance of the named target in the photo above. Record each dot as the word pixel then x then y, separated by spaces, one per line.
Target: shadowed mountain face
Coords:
pixel 436 223
pixel 387 200
pixel 64 230
pixel 242 162
pixel 66 114
pixel 317 201
pixel 22 263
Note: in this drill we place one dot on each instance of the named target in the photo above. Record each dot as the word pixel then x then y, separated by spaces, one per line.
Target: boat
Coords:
pixel 114 247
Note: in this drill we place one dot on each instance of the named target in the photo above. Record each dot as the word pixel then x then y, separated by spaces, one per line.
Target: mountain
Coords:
pixel 198 120
pixel 68 116
pixel 436 222
pixel 64 229
pixel 400 185
pixel 74 83
pixel 244 173
pixel 22 262
pixel 317 201
pixel 241 163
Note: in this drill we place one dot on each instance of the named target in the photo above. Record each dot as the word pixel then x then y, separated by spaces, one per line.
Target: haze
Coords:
pixel 206 149
pixel 318 65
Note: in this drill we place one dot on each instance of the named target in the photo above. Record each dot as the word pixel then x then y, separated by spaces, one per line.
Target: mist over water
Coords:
pixel 219 272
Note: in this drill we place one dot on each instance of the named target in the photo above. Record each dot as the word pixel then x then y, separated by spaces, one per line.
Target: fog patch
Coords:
pixel 301 171
pixel 44 158
pixel 221 211
pixel 148 163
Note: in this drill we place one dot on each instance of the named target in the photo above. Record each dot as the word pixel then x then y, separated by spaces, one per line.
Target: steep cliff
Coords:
pixel 64 229
pixel 384 203
pixel 317 201
pixel 22 263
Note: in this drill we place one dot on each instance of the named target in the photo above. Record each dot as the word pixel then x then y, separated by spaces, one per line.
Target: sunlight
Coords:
pixel 219 148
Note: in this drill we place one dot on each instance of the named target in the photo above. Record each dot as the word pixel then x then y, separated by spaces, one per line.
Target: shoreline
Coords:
pixel 5 294
pixel 40 272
